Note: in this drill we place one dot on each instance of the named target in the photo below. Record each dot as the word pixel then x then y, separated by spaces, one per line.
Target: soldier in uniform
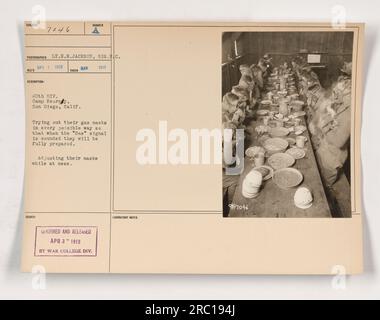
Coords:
pixel 311 89
pixel 258 79
pixel 230 110
pixel 268 62
pixel 332 151
pixel 245 70
pixel 297 64
pixel 318 104
pixel 248 83
pixel 244 102
pixel 317 99
pixel 264 69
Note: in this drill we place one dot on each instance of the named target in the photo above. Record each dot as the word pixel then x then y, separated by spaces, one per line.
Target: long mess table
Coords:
pixel 274 202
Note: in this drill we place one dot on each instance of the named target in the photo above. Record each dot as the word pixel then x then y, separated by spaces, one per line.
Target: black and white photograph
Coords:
pixel 289 96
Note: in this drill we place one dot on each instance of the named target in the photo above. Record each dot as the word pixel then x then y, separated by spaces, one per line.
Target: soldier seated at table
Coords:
pixel 230 103
pixel 332 152
pixel 319 110
pixel 312 91
pixel 244 103
pixel 245 70
pixel 319 119
pixel 264 68
pixel 297 65
pixel 284 68
pixel 248 83
pixel 258 79
pixel 268 62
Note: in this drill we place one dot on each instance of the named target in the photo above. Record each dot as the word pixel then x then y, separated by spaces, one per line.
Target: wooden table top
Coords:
pixel 274 202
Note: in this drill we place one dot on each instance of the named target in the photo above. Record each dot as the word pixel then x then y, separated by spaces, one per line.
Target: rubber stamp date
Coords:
pixel 66 241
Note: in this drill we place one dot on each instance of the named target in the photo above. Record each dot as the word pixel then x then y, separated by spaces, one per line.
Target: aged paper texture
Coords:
pixel 97 91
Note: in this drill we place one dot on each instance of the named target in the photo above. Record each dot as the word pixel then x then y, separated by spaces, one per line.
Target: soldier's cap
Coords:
pixel 267 57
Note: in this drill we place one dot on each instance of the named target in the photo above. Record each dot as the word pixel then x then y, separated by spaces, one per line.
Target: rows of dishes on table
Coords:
pixel 280 140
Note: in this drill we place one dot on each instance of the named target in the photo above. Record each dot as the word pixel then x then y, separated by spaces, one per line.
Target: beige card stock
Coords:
pixel 91 207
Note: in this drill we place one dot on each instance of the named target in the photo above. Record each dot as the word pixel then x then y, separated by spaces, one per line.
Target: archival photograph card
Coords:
pixel 193 148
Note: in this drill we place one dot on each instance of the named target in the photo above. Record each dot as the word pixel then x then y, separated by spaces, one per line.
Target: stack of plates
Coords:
pixel 251 184
pixel 265 171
